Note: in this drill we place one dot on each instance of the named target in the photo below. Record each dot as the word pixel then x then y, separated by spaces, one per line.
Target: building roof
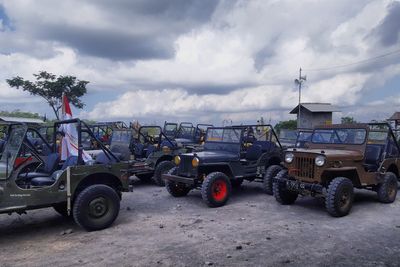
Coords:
pixel 17 119
pixel 316 108
pixel 395 117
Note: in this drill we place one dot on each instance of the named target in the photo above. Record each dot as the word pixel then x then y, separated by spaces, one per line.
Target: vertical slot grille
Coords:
pixel 185 166
pixel 305 167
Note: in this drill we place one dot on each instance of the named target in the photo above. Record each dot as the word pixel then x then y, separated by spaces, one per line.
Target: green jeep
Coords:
pixel 90 192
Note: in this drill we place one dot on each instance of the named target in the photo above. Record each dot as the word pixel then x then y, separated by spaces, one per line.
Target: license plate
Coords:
pixel 293 185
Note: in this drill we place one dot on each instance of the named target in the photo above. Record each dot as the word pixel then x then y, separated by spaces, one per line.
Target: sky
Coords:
pixel 206 60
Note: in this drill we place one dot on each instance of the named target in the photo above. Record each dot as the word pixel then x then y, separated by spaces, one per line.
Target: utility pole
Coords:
pixel 299 82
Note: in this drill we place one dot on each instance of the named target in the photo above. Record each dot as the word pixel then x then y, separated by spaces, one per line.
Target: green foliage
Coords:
pixel 20 114
pixel 348 120
pixel 290 125
pixel 51 88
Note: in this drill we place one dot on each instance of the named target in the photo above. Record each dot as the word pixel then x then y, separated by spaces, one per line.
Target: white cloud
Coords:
pixel 239 64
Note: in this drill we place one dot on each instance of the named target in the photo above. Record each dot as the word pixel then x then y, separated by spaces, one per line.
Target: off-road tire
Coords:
pixel 387 190
pixel 281 193
pixel 271 172
pixel 237 182
pixel 100 199
pixel 216 189
pixel 175 189
pixel 339 197
pixel 61 208
pixel 162 168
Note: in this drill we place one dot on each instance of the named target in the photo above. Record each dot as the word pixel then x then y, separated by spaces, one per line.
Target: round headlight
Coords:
pixel 177 160
pixel 289 157
pixel 195 162
pixel 320 161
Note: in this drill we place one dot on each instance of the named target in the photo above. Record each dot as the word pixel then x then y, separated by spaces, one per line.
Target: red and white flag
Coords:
pixel 69 146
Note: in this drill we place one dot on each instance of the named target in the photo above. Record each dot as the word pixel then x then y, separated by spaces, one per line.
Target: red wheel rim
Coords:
pixel 219 190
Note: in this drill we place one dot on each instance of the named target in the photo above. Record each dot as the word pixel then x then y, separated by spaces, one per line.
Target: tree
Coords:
pixel 20 114
pixel 289 125
pixel 51 88
pixel 348 120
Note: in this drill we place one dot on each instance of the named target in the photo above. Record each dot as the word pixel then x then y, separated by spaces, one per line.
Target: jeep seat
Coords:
pixel 102 158
pixel 372 157
pixel 50 165
pixel 49 180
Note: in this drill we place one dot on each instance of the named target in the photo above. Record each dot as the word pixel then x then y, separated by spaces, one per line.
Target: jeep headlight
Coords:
pixel 195 162
pixel 320 161
pixel 289 157
pixel 177 160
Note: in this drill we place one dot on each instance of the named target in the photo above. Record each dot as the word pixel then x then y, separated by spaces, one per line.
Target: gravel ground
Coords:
pixel 155 229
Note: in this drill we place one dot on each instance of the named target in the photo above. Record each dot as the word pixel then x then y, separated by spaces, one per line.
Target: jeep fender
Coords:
pixel 216 167
pixel 348 172
pixel 269 158
pixel 99 178
pixel 164 158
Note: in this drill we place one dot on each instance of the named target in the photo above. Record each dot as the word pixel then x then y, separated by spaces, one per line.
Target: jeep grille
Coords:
pixel 305 167
pixel 185 167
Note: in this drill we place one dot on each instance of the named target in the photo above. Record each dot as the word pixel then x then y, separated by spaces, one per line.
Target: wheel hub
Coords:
pixel 98 207
pixel 219 190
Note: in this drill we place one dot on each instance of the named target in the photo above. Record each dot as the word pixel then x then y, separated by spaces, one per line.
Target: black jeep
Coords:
pixel 230 155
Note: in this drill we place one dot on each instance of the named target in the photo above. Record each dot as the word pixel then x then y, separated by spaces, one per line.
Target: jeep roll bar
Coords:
pixel 161 134
pixel 79 123
pixel 260 125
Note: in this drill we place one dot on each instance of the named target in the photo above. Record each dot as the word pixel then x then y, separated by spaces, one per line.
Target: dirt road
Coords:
pixel 155 229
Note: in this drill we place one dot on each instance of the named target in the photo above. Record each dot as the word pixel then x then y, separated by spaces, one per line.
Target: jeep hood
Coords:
pixel 214 156
pixel 333 154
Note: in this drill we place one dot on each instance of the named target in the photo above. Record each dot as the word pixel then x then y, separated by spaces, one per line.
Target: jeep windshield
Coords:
pixel 12 147
pixel 348 136
pixel 185 132
pixel 123 136
pixel 223 135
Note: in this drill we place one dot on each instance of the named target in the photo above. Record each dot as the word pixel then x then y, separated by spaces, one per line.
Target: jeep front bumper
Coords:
pixel 298 186
pixel 179 179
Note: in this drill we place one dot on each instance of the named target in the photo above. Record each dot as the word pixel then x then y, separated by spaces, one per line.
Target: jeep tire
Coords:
pixel 216 189
pixel 340 196
pixel 387 190
pixel 271 172
pixel 281 193
pixel 175 189
pixel 96 207
pixel 162 168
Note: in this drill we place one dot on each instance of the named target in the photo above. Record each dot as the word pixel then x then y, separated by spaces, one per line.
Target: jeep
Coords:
pixel 338 159
pixel 230 155
pixel 152 150
pixel 90 191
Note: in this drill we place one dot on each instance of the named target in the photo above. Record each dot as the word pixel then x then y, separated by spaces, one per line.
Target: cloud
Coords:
pixel 388 31
pixel 179 103
pixel 205 60
pixel 123 30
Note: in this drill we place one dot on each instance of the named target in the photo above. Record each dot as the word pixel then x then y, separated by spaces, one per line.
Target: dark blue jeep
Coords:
pixel 230 155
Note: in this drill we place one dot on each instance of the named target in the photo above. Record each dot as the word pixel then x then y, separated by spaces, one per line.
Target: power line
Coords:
pixel 355 63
